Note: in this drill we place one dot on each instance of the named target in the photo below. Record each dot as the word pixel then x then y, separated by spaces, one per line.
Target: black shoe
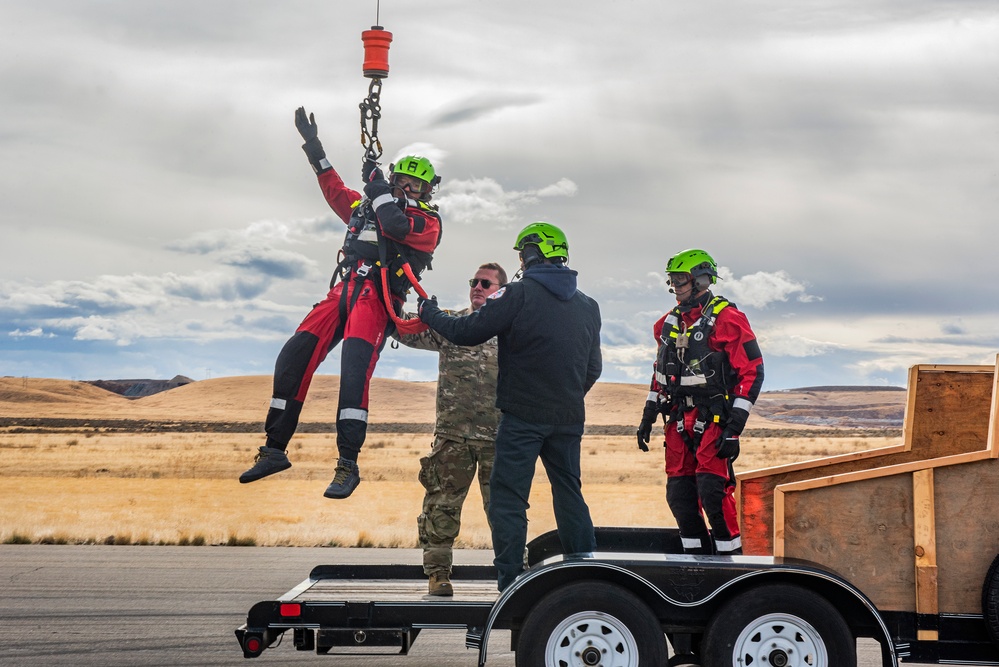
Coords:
pixel 345 480
pixel 269 460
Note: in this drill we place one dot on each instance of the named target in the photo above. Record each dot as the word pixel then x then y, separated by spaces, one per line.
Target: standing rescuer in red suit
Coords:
pixel 708 375
pixel 392 225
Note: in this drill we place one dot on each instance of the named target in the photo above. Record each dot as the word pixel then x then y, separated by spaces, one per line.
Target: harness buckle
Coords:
pixel 699 426
pixel 363 269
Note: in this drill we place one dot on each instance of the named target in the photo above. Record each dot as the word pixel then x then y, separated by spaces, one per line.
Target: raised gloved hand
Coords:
pixel 649 415
pixel 306 124
pixel 728 445
pixel 427 308
pixel 313 147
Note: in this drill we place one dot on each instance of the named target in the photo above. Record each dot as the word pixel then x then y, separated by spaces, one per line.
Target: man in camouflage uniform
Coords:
pixel 464 435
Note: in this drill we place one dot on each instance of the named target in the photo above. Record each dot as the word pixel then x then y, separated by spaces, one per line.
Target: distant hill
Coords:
pixel 242 403
pixel 844 388
pixel 140 388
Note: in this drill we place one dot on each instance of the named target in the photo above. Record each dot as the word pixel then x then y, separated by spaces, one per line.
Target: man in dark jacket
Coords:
pixel 549 357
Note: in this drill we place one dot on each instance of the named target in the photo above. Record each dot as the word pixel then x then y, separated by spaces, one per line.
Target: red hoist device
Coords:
pixel 376 67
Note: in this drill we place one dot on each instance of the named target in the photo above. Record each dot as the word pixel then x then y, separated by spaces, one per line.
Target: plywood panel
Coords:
pixel 863 530
pixel 967 519
pixel 951 412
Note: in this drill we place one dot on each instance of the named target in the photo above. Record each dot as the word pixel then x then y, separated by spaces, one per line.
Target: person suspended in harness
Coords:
pixel 392 232
pixel 708 374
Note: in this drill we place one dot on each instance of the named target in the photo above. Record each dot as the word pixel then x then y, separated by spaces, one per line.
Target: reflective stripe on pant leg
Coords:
pixel 295 366
pixel 716 488
pixel 681 496
pixel 363 338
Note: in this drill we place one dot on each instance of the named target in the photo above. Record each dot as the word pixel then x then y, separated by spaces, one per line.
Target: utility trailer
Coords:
pixel 897 545
pixel 614 607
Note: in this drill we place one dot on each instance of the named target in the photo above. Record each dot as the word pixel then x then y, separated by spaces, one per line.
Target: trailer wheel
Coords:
pixel 990 601
pixel 590 623
pixel 778 625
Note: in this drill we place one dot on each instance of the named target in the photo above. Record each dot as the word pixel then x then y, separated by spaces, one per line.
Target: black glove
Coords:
pixel 728 445
pixel 649 415
pixel 375 185
pixel 370 171
pixel 313 147
pixel 306 124
pixel 427 308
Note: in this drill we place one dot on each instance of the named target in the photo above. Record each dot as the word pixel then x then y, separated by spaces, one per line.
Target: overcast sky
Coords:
pixel 840 160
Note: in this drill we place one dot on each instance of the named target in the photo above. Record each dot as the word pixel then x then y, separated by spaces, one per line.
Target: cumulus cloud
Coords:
pixel 252 247
pixel 761 289
pixel 484 201
pixel 125 308
pixel 115 294
pixel 784 344
pixel 37 332
pixel 634 331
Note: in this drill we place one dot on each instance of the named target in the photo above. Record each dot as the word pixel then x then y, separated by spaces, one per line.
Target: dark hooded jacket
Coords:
pixel 549 343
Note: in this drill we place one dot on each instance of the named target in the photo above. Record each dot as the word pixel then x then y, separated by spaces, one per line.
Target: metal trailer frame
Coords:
pixel 384 607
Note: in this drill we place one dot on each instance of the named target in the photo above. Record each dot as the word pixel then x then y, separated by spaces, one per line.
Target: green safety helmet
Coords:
pixel 548 238
pixel 695 262
pixel 418 167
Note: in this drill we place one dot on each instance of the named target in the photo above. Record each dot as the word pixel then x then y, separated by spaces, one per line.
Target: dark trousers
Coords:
pixel 519 444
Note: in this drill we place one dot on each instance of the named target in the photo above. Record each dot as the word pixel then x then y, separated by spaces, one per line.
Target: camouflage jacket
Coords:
pixel 466 384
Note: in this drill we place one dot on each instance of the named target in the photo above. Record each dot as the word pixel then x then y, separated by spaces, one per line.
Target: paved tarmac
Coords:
pixel 111 606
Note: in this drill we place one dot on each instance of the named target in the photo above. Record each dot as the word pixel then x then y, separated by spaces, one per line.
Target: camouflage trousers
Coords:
pixel 446 474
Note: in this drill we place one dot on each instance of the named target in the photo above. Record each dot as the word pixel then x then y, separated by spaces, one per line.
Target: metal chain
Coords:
pixel 371 110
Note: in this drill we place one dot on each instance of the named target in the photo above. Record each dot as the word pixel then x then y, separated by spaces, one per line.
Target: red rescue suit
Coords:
pixel 353 312
pixel 726 351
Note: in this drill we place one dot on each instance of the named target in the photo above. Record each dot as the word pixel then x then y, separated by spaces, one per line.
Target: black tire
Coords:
pixel 591 623
pixel 990 601
pixel 779 625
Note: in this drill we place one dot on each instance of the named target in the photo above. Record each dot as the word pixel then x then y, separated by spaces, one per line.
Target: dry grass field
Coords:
pixel 88 480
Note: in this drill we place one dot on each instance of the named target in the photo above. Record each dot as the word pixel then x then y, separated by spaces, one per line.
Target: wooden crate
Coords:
pixel 915 526
pixel 950 410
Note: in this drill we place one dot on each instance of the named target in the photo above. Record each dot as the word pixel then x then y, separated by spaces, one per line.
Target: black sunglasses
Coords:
pixel 486 284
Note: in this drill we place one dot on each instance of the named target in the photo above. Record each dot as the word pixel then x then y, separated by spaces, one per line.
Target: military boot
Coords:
pixel 345 479
pixel 268 461
pixel 440 584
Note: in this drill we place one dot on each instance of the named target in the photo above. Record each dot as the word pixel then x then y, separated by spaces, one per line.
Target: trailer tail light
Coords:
pixel 291 610
pixel 254 645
